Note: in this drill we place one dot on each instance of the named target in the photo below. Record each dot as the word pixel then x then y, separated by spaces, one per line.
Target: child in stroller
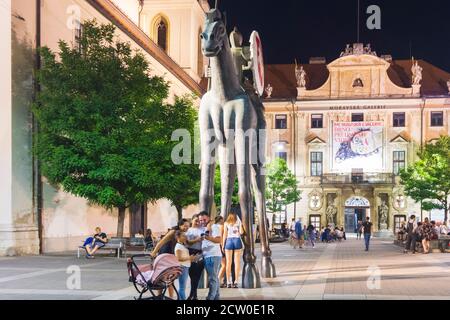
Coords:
pixel 155 278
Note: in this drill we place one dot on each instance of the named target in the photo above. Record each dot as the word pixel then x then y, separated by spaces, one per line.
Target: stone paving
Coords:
pixel 329 271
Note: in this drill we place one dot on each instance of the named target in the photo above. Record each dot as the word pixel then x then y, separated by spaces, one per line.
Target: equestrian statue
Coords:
pixel 232 122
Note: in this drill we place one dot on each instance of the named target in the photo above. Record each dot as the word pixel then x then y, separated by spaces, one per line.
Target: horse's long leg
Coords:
pixel 227 177
pixel 250 274
pixel 208 164
pixel 259 186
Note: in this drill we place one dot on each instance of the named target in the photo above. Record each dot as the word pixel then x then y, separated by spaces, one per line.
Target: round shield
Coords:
pixel 257 59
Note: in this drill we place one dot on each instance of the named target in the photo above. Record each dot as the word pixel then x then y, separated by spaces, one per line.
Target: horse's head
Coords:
pixel 214 35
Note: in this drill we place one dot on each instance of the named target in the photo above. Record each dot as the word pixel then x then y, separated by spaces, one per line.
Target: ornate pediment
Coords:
pixel 403 137
pixel 314 139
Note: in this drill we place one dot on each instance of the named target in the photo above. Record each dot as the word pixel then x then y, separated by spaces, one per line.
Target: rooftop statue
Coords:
pixel 416 73
pixel 230 116
pixel 300 76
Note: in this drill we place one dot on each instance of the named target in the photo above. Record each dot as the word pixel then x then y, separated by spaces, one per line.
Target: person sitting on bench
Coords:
pixel 94 243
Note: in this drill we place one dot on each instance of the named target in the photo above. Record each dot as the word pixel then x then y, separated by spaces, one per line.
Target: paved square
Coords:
pixel 329 271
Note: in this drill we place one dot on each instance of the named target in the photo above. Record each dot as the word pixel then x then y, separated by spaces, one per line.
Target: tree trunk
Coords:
pixel 121 222
pixel 180 212
pixel 446 215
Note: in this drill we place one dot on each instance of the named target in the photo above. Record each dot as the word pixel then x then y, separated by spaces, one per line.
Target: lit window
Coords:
pixel 437 119
pixel 399 119
pixel 161 33
pixel 317 121
pixel 281 121
pixel 357 117
pixel 281 155
pixel 316 164
pixel 399 161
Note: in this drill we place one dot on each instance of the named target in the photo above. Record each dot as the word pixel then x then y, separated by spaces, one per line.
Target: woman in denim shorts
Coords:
pixel 232 233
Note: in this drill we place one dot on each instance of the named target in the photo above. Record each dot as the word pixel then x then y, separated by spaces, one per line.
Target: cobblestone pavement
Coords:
pixel 328 271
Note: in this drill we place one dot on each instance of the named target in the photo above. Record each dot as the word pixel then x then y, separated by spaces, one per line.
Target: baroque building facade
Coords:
pixel 348 127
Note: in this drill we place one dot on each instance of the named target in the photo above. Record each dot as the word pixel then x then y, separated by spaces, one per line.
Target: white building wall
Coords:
pixel 67 220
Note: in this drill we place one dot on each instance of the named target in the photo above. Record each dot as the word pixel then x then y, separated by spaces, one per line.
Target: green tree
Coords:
pixel 428 179
pixel 218 190
pixel 182 179
pixel 282 186
pixel 103 126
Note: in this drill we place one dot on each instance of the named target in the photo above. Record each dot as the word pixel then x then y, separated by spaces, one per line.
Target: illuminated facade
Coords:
pixel 35 219
pixel 348 127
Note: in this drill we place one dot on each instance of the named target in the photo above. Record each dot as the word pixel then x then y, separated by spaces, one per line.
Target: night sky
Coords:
pixel 302 29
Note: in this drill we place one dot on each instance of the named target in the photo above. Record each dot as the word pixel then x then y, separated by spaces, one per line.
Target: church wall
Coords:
pixel 66 220
pixel 18 223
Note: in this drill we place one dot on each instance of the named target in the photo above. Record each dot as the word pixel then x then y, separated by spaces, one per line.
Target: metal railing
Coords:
pixel 361 178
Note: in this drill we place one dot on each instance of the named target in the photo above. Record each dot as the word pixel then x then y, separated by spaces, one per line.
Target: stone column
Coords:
pixel 5 128
pixel 18 225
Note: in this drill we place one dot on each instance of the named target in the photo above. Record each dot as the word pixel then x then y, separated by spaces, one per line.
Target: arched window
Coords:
pixel 161 32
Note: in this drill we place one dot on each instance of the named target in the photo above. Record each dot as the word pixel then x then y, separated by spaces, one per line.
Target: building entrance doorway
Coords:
pixel 356 209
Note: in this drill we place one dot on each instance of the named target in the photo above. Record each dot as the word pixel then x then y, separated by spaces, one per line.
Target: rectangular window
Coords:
pixel 317 121
pixel 399 161
pixel 315 221
pixel 357 117
pixel 437 119
pixel 399 119
pixel 281 121
pixel 281 155
pixel 316 164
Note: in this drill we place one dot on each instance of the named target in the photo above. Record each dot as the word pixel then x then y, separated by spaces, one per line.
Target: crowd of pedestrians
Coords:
pixel 421 233
pixel 204 244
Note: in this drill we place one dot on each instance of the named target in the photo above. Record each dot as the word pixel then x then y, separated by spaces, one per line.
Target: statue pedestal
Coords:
pixel 384 234
pixel 301 92
pixel 416 90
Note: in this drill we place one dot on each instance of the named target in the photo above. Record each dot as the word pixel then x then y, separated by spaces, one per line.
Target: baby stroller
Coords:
pixel 156 277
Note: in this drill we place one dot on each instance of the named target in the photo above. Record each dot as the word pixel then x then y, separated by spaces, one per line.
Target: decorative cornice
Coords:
pixel 118 18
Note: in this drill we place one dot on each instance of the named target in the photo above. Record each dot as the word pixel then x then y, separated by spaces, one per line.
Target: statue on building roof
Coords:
pixel 269 90
pixel 416 70
pixel 300 75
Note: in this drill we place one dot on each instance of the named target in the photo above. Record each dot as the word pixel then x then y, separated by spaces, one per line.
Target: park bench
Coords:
pixel 444 243
pixel 114 244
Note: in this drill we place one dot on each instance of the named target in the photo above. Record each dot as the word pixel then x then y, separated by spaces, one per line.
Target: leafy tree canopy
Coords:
pixel 428 179
pixel 105 129
pixel 282 186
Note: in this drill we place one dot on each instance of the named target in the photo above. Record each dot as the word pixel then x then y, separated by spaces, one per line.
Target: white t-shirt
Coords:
pixel 292 226
pixel 211 249
pixel 233 230
pixel 195 233
pixel 184 254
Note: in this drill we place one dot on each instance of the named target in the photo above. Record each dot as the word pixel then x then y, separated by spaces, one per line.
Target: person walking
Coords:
pixel 367 230
pixel 311 234
pixel 411 235
pixel 232 243
pixel 211 254
pixel 299 234
pixel 359 229
pixel 426 233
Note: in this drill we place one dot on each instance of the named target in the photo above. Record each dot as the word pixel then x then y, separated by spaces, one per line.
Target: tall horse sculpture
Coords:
pixel 230 119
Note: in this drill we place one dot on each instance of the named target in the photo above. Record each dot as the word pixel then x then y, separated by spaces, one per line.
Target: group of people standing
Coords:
pixel 204 244
pixel 421 232
pixel 300 233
